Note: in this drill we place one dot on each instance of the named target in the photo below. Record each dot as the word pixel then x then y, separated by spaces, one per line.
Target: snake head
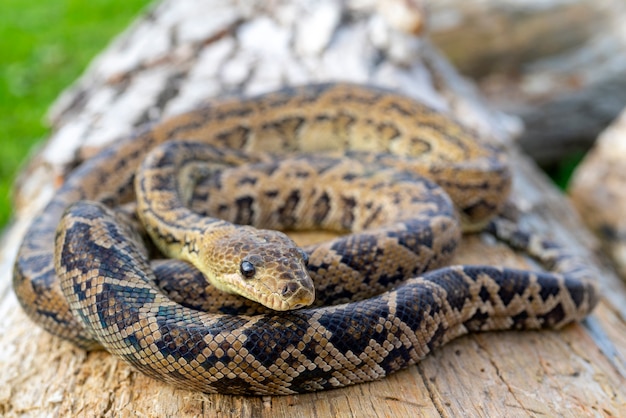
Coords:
pixel 261 265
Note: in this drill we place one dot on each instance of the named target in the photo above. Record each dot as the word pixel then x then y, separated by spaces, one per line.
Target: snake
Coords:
pixel 396 179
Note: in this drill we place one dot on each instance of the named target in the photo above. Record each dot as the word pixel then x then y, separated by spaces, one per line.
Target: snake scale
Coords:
pixel 405 176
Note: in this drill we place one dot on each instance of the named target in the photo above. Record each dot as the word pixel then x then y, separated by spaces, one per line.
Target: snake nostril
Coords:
pixel 289 289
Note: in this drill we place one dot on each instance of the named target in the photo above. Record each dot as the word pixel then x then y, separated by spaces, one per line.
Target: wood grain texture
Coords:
pixel 579 371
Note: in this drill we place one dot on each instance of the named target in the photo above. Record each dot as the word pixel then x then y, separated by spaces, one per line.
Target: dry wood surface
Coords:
pixel 184 52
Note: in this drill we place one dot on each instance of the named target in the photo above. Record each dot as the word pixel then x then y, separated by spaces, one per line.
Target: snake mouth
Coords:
pixel 277 302
pixel 291 296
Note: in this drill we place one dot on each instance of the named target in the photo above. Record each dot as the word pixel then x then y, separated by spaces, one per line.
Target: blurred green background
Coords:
pixel 44 47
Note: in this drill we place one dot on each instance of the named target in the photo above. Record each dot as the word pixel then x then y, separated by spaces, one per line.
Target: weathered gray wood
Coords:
pixel 568 125
pixel 185 52
pixel 558 65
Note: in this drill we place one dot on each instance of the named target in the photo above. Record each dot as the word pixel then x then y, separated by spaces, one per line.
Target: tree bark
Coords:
pixel 184 52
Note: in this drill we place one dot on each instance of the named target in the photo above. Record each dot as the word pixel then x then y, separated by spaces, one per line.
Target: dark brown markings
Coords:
pixel 235 138
pixel 177 341
pixel 357 251
pixel 323 118
pixel 355 330
pixel 340 124
pixel 287 210
pixel 373 214
pixel 549 288
pixel 251 180
pixel 407 111
pixel 271 193
pixel 321 207
pixel 438 337
pixel 347 212
pixel 520 320
pixel 457 289
pixel 370 99
pixel 577 291
pixel 418 235
pixel 476 322
pixel 484 294
pixel 513 283
pixel 387 131
pixel 554 317
pixel 191 124
pixel 420 146
pixel 236 112
pixel 286 127
pixel 121 318
pixel 477 210
pixel 245 210
pixel 303 96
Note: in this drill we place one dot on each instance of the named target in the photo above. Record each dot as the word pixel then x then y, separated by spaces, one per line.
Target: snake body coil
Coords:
pixel 107 295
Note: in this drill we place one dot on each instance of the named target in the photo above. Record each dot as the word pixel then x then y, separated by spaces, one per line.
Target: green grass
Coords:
pixel 561 173
pixel 44 47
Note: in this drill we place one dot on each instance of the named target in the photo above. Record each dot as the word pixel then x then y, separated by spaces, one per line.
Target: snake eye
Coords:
pixel 247 269
pixel 305 257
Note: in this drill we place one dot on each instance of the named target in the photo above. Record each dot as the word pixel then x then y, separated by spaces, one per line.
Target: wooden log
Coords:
pixel 184 52
pixel 569 124
pixel 543 61
pixel 597 191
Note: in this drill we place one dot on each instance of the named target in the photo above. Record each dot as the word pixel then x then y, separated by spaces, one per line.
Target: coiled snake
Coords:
pixel 98 288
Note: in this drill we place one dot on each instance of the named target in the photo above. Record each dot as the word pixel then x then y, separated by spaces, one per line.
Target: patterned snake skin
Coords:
pixel 97 287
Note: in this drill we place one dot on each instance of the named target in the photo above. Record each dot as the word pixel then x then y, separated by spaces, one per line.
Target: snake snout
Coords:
pixel 297 293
